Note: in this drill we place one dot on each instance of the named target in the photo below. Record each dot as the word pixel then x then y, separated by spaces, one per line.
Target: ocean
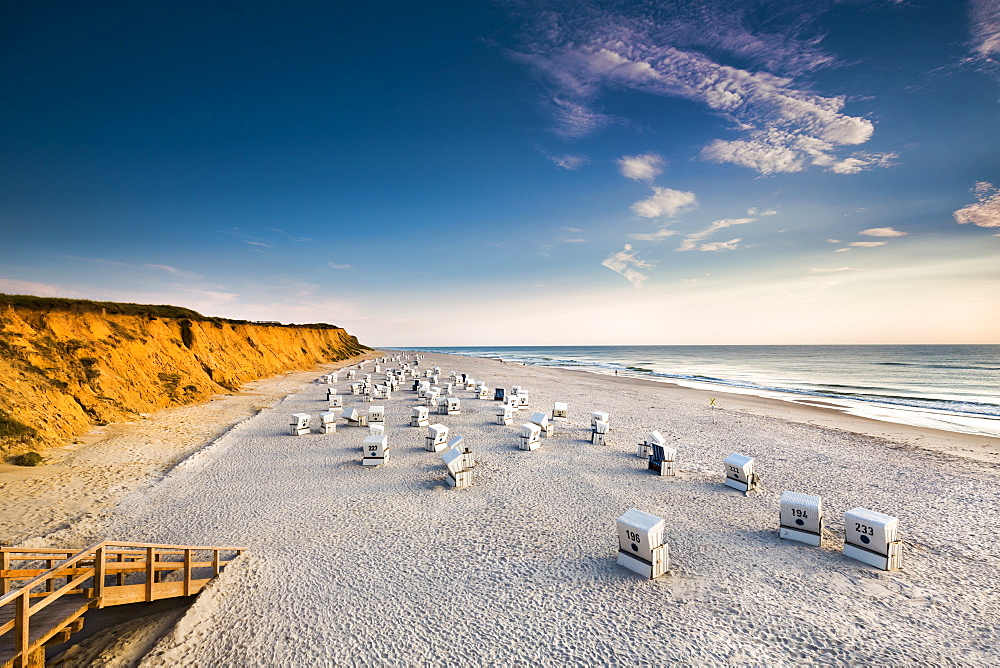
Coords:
pixel 951 387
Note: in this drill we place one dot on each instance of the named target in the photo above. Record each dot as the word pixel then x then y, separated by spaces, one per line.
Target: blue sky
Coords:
pixel 514 172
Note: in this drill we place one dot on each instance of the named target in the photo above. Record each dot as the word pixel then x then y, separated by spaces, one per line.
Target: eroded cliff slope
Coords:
pixel 65 366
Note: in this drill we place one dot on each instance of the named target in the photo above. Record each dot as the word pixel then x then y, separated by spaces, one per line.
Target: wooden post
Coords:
pixel 5 565
pixel 50 584
pixel 21 631
pixel 187 571
pixel 150 572
pixel 215 562
pixel 99 571
pixel 121 575
pixel 36 659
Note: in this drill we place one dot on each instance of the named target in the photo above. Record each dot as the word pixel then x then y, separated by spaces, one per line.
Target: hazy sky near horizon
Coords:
pixel 522 172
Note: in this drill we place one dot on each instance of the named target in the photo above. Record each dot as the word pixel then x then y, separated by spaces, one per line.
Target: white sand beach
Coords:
pixel 388 566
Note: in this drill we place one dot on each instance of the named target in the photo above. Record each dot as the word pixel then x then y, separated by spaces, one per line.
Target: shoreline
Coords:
pixel 903 412
pixel 809 411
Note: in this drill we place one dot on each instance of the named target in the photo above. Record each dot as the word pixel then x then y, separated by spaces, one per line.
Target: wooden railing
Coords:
pixel 44 592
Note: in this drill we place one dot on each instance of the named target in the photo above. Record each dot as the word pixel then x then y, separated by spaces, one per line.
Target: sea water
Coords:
pixel 952 387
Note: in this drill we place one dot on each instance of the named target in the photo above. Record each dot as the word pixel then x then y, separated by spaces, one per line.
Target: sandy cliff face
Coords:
pixel 63 371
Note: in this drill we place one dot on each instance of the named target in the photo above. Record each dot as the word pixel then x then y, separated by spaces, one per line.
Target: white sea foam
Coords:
pixel 953 388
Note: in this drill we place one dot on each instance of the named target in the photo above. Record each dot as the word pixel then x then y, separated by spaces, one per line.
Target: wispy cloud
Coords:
pixel 692 241
pixel 866 244
pixel 258 244
pixel 288 236
pixel 644 167
pixel 569 162
pixel 985 28
pixel 575 120
pixel 627 263
pixel 754 211
pixel 715 246
pixel 582 50
pixel 659 235
pixel 986 211
pixel 882 232
pixel 174 271
pixel 665 202
pixel 342 267
pixel 775 150
pixel 859 161
pixel 571 230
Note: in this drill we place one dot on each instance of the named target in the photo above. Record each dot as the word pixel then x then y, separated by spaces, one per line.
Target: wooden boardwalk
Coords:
pixel 44 593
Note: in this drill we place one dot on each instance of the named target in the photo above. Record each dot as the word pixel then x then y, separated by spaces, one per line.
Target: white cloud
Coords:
pixel 866 244
pixel 986 211
pixel 754 211
pixel 786 127
pixel 626 263
pixel 571 230
pixel 861 161
pixel 691 241
pixel 644 167
pixel 334 265
pixel 775 151
pixel 259 244
pixel 569 162
pixel 720 245
pixel 882 232
pixel 765 153
pixel 985 16
pixel 665 202
pixel 659 235
pixel 833 241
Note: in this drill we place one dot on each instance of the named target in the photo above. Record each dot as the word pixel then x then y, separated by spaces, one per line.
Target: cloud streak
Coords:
pixel 786 128
pixel 985 28
pixel 659 235
pixel 693 241
pixel 627 263
pixel 882 232
pixel 986 211
pixel 569 162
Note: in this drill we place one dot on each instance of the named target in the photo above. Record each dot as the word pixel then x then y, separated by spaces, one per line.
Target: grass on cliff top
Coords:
pixel 145 310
